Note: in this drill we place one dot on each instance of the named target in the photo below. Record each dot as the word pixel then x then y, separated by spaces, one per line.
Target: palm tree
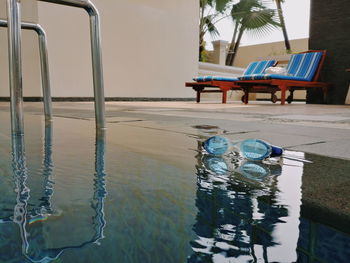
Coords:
pixel 249 15
pixel 211 12
pixel 283 25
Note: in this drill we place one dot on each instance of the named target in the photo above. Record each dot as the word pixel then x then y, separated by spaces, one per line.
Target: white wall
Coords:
pixel 247 54
pixel 30 52
pixel 149 47
pixel 210 69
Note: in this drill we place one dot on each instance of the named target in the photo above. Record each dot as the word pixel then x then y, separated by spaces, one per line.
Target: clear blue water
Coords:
pixel 138 194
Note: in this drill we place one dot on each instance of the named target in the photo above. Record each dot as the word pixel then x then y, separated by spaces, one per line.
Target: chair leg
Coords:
pixel 246 96
pixel 283 94
pixel 224 96
pixel 291 96
pixel 198 99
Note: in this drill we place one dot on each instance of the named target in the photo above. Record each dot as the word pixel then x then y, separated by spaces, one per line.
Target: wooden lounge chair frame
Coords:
pixel 264 86
pixel 224 87
pixel 284 85
pixel 216 85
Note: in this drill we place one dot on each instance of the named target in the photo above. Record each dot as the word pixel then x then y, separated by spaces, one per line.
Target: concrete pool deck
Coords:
pixel 323 130
pixel 318 129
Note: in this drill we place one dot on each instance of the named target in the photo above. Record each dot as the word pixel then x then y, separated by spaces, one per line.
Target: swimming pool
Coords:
pixel 145 192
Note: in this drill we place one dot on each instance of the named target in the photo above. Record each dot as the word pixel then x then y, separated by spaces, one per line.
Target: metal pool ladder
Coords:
pixel 45 76
pixel 15 63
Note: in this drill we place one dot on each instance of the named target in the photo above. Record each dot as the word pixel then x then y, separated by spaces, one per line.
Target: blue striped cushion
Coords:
pixel 304 65
pixel 256 67
pixel 211 78
pixel 300 67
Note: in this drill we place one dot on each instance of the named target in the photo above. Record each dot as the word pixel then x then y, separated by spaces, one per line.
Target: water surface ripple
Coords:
pixel 148 195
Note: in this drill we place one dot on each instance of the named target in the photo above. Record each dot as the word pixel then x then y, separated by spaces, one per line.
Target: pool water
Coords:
pixel 144 192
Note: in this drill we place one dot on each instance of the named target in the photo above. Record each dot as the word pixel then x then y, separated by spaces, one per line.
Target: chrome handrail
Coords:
pixel 15 61
pixel 96 53
pixel 44 63
pixel 15 66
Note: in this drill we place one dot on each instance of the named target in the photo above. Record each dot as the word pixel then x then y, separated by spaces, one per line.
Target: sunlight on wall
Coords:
pixel 149 47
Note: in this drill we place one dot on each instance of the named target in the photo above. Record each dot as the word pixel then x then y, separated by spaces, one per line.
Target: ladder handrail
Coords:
pixel 96 53
pixel 15 66
pixel 44 65
pixel 15 61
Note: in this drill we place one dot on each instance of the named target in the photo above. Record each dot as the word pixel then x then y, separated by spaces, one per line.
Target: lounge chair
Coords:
pixel 226 83
pixel 303 72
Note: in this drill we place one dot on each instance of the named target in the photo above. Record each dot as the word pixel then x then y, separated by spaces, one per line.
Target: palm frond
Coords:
pixel 244 7
pixel 210 27
pixel 221 5
pixel 261 22
pixel 260 18
pixel 254 16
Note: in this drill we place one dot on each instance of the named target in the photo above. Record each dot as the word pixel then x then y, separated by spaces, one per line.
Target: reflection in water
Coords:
pixel 44 209
pixel 257 171
pixel 34 243
pixel 238 210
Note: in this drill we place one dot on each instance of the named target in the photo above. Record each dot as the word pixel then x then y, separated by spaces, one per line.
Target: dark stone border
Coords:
pixel 329 30
pixel 78 99
pixel 316 213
